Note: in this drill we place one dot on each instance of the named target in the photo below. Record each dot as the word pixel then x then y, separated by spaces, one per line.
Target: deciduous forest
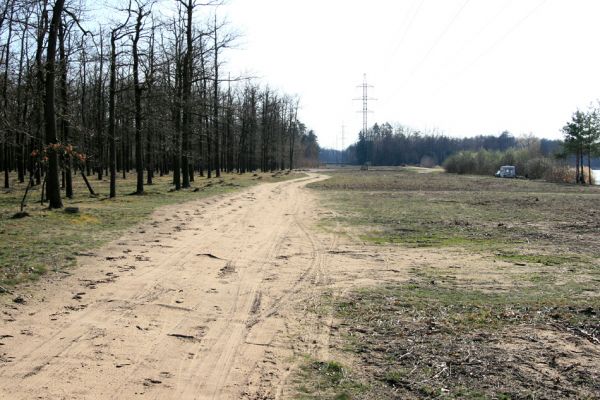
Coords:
pixel 146 91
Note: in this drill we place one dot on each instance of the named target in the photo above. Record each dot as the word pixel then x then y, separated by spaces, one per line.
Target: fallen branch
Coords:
pixel 182 336
pixel 87 183
pixel 29 185
pixel 5 290
pixel 209 255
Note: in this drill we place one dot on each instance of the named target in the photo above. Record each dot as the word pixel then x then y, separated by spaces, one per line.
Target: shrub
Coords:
pixel 560 172
pixel 527 163
pixel 536 168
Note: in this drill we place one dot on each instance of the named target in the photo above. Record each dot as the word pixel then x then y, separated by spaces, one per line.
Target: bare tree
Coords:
pixel 141 13
pixel 9 6
pixel 103 96
pixel 116 34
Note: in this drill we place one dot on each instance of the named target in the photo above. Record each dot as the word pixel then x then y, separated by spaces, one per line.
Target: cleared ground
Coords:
pixel 374 285
pixel 498 296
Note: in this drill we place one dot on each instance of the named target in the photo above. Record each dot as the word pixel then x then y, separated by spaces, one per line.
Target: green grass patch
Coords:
pixel 326 380
pixel 479 213
pixel 428 239
pixel 544 259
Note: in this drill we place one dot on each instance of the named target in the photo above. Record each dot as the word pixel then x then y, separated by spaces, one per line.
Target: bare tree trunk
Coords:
pixel 100 162
pixel 577 166
pixel 5 95
pixel 187 95
pixel 52 184
pixel 21 150
pixel 6 165
pixel 65 111
pixel 208 135
pixel 177 119
pixel 293 134
pixel 229 130
pixel 139 158
pixel 36 138
pixel 83 98
pixel 112 156
pixel 581 166
pixel 589 163
pixel 216 104
pixel 150 156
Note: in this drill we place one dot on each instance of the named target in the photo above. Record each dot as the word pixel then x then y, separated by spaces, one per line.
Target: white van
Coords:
pixel 507 171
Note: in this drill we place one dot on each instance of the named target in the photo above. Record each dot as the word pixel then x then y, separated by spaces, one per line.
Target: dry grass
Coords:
pixel 512 313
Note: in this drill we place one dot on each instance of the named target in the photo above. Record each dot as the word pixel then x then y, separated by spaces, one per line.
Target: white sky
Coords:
pixel 464 67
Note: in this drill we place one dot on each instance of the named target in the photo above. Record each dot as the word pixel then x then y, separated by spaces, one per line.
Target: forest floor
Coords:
pixel 376 284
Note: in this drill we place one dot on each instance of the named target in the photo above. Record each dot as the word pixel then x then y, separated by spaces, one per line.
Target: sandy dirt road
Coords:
pixel 204 301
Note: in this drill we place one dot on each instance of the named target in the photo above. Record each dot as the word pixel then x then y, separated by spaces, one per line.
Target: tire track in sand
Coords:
pixel 172 325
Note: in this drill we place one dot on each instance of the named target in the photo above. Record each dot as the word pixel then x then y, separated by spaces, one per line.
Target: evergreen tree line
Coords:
pixel 144 93
pixel 582 140
pixel 392 146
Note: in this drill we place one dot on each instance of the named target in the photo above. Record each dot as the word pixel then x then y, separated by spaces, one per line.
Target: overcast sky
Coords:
pixel 461 67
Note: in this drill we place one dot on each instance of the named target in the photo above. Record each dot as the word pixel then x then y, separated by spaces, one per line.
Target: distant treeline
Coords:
pixel 399 145
pixel 572 161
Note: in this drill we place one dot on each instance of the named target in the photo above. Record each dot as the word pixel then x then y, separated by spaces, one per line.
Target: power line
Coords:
pixel 492 46
pixel 430 50
pixel 442 34
pixel 405 32
pixel 485 26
